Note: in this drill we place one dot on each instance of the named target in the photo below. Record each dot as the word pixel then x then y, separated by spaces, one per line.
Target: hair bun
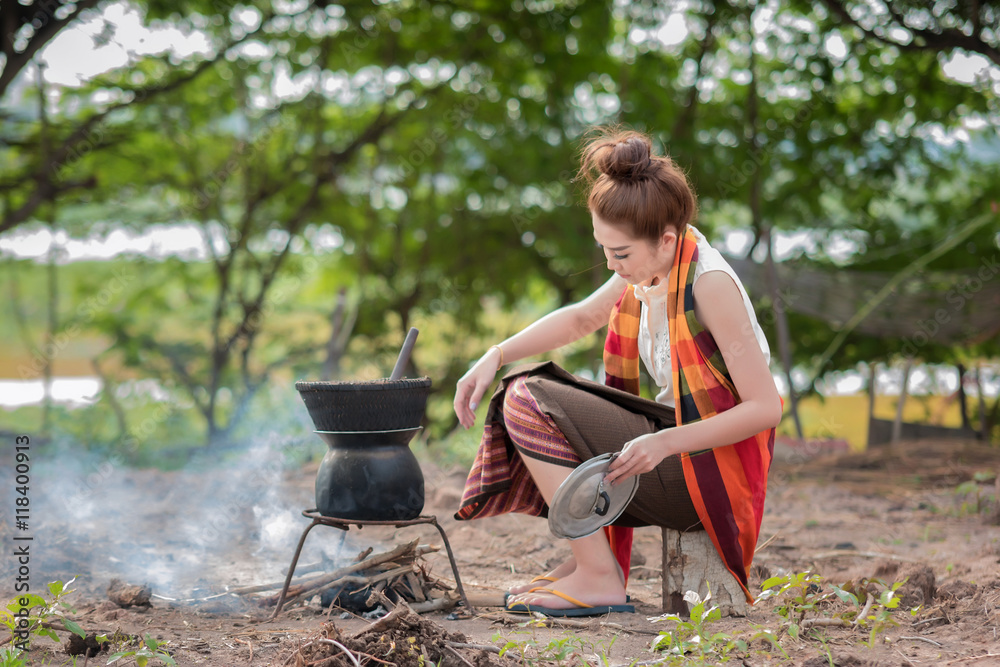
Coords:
pixel 626 160
pixel 629 187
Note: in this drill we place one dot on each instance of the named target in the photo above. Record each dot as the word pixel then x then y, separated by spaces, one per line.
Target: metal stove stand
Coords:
pixel 345 524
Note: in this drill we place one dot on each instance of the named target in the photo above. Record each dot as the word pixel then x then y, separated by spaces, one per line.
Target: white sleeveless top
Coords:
pixel 654 335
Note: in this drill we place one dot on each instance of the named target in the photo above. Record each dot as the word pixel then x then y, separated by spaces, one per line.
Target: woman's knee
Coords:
pixel 515 397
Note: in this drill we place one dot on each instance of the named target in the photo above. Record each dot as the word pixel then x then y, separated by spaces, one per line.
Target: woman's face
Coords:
pixel 638 261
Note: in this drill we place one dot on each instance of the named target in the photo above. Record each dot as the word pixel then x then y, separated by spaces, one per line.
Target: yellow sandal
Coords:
pixel 581 608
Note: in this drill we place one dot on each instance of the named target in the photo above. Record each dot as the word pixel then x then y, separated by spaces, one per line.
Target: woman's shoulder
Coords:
pixel 709 258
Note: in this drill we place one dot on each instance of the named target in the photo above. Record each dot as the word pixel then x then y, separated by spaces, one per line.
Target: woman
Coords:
pixel 702 448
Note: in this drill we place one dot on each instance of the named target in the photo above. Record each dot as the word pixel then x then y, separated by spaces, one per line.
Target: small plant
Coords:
pixel 872 607
pixel 799 594
pixel 826 649
pixel 571 650
pixel 691 639
pixel 11 656
pixel 150 649
pixel 29 616
pixel 517 649
pixel 974 498
pixel 871 602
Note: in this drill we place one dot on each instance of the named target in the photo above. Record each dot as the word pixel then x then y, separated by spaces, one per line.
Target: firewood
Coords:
pixel 437 604
pixel 360 580
pixel 415 586
pixel 319 582
pixel 420 550
pixel 278 585
pixel 386 621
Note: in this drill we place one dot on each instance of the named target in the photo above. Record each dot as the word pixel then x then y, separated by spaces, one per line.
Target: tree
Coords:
pixel 26 28
pixel 913 26
pixel 433 147
pixel 36 178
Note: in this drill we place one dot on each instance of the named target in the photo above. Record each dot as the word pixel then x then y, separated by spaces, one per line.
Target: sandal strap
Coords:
pixel 572 600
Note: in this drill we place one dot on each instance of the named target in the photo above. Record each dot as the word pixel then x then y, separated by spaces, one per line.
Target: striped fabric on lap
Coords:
pixel 499 481
pixel 532 431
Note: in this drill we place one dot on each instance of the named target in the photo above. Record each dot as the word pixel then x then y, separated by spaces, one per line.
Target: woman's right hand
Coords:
pixel 471 387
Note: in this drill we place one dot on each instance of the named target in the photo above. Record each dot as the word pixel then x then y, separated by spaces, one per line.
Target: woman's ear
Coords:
pixel 669 238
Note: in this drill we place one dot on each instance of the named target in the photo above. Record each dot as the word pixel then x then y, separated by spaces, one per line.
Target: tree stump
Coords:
pixel 691 563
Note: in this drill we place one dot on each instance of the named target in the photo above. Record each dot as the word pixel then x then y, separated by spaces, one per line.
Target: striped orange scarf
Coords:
pixel 727 484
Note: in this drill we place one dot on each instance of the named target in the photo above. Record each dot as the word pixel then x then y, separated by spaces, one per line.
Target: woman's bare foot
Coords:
pixel 564 569
pixel 592 588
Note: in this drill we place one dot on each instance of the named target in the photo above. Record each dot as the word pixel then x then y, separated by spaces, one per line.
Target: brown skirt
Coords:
pixel 596 420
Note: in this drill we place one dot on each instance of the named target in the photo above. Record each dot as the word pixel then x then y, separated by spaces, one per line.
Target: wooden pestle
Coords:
pixel 404 354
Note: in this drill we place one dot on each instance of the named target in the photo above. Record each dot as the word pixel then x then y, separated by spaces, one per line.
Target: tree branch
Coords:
pixel 147 342
pixel 43 35
pixel 323 170
pixel 946 39
pixel 47 172
pixel 46 191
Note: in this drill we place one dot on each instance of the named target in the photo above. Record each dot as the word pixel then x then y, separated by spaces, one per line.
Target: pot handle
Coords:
pixel 602 511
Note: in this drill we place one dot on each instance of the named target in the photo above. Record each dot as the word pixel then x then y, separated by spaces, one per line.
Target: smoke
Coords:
pixel 222 521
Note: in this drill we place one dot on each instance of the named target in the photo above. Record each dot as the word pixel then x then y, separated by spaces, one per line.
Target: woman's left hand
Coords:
pixel 638 456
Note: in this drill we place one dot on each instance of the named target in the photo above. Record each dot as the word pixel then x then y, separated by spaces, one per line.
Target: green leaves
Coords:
pixel 150 649
pixel 33 614
pixel 691 640
pixel 846 596
pixel 74 628
pixel 805 606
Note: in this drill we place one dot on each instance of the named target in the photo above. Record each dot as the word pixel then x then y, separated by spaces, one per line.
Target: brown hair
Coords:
pixel 628 186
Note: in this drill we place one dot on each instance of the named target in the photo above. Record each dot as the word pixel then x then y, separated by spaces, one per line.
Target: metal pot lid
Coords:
pixel 583 503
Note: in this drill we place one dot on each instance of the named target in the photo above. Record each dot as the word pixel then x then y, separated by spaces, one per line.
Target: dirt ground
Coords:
pixel 919 509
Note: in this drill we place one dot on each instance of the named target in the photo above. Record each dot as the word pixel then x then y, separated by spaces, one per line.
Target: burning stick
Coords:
pixel 313 580
pixel 395 571
pixel 360 581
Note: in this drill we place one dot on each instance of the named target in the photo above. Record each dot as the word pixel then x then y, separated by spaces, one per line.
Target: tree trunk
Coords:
pixel 872 387
pixel 52 326
pixel 781 320
pixel 342 320
pixel 897 424
pixel 691 563
pixel 108 389
pixel 686 117
pixel 987 433
pixel 963 400
pixel 52 298
pixel 784 335
pixel 984 427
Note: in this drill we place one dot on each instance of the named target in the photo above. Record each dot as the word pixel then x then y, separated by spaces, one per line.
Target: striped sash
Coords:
pixel 727 484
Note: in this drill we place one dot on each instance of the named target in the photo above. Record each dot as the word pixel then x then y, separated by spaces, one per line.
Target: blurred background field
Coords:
pixel 101 421
pixel 846 417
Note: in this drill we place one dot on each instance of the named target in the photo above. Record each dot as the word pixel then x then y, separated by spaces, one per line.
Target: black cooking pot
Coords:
pixel 378 405
pixel 370 476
